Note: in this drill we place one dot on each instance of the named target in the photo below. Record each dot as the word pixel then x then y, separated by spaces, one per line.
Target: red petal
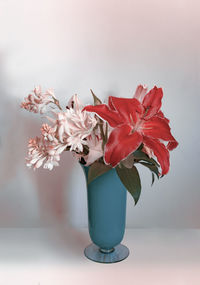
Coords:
pixel 140 92
pixel 162 116
pixel 157 128
pixel 152 102
pixel 127 108
pixel 120 144
pixel 111 116
pixel 110 104
pixel 160 151
pixel 172 145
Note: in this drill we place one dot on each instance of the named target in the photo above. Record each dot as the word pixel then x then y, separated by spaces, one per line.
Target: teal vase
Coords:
pixel 106 197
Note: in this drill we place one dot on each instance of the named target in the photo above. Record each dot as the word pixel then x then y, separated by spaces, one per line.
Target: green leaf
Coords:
pixel 131 180
pixel 97 169
pixel 140 147
pixel 153 161
pixel 140 155
pixel 152 167
pixel 128 161
pixel 153 178
pixel 97 101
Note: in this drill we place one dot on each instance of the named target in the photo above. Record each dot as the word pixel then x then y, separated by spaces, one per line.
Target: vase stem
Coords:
pixel 112 255
pixel 106 250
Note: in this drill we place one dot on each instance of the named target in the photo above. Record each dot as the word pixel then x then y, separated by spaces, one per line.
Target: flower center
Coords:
pixel 137 125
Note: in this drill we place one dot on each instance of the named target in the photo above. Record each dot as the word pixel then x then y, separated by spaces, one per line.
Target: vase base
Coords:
pixel 94 253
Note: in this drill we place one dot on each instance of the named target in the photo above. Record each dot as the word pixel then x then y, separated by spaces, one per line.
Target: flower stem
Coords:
pixel 57 103
pixel 103 135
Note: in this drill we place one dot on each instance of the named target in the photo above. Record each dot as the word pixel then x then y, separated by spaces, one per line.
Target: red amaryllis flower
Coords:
pixel 134 121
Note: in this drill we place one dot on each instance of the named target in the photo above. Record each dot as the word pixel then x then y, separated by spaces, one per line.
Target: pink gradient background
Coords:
pixel 111 47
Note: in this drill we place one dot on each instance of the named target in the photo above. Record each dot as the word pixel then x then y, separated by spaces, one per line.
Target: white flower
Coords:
pixel 95 149
pixel 48 132
pixel 72 129
pixel 47 152
pixel 51 162
pixel 76 143
pixel 79 123
pixel 36 154
pixel 38 101
pixel 75 103
pixel 73 126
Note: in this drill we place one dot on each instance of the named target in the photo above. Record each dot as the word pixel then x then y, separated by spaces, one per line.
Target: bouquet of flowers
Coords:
pixel 119 135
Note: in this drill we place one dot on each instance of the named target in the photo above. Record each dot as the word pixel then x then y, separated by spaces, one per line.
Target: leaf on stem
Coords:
pixel 153 178
pixel 140 155
pixel 151 167
pixel 97 101
pixel 128 161
pixel 131 180
pixel 97 169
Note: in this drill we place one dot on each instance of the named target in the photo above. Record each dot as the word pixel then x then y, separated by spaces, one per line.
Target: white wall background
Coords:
pixel 111 47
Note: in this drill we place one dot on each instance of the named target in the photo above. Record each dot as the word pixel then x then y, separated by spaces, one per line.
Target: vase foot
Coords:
pixel 94 253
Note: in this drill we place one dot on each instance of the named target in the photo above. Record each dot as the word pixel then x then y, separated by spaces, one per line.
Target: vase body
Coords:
pixel 106 198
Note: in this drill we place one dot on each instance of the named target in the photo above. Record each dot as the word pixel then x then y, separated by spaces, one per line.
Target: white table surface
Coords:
pixel 42 256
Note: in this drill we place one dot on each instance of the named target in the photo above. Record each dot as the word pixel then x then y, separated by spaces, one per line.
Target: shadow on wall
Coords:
pixel 53 192
pixel 31 198
pixel 8 125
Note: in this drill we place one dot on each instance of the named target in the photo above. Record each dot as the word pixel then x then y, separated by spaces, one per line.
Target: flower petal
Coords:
pixel 152 102
pixel 75 103
pixel 92 156
pixel 111 116
pixel 95 149
pixel 120 144
pixel 160 151
pixel 157 128
pixel 127 108
pixel 162 116
pixel 172 145
pixel 140 92
pixel 110 103
pixel 60 133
